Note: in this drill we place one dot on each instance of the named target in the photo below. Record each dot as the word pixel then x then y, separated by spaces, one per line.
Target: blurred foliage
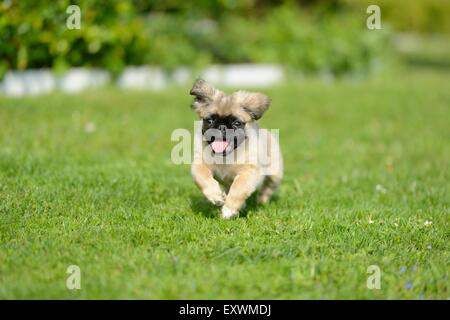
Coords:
pixel 426 16
pixel 310 34
pixel 326 42
pixel 33 34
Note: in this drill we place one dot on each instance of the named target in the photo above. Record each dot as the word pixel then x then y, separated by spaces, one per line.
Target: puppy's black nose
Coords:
pixel 223 129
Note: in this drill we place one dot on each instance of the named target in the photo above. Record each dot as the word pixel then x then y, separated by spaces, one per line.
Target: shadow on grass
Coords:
pixel 201 206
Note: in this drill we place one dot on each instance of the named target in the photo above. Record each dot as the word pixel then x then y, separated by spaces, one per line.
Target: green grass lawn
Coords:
pixel 87 180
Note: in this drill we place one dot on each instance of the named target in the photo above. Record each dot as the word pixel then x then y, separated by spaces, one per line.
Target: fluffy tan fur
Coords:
pixel 230 184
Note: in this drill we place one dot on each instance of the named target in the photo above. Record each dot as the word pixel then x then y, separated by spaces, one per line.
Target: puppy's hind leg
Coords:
pixel 270 185
pixel 273 172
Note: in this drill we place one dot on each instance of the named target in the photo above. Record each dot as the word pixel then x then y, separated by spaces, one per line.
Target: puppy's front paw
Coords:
pixel 215 195
pixel 228 213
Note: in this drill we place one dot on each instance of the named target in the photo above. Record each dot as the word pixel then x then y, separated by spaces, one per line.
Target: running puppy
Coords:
pixel 233 157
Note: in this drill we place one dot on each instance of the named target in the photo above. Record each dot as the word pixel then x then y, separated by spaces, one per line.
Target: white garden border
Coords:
pixel 75 80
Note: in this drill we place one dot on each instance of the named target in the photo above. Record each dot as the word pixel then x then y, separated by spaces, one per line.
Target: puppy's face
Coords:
pixel 226 118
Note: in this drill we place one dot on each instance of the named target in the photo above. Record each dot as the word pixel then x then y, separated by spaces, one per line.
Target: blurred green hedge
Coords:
pixel 33 34
pixel 311 35
pixel 424 16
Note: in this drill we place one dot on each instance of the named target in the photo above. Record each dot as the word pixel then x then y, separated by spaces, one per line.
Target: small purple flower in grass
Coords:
pixel 409 285
pixel 414 268
pixel 403 269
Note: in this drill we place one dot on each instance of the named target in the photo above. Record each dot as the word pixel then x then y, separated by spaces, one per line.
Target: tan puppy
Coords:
pixel 232 156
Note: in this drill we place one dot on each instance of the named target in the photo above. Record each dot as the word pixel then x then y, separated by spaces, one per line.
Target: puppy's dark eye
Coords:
pixel 209 121
pixel 199 99
pixel 237 124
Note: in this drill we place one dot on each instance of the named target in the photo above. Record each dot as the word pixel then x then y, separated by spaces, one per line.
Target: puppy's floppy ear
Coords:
pixel 253 103
pixel 203 93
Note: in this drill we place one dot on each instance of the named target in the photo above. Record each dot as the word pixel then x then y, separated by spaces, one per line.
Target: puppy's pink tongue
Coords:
pixel 219 146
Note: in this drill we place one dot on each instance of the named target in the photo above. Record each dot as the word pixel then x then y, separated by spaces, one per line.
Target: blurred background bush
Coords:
pixel 310 35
